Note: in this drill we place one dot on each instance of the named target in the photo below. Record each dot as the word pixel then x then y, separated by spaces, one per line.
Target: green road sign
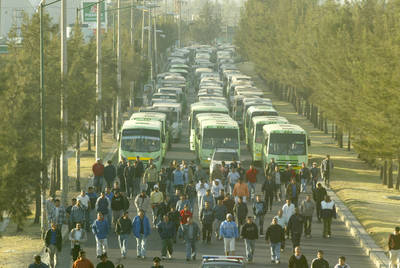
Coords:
pixel 90 12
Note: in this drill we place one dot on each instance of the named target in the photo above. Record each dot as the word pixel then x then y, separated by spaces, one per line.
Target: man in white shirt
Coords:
pixel 77 236
pixel 216 188
pixel 233 178
pixel 201 189
pixel 288 210
pixel 84 198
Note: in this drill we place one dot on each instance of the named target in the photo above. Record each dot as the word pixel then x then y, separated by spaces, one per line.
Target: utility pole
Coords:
pixel 143 21
pixel 119 81
pixel 98 82
pixel 131 91
pixel 132 24
pixel 63 115
pixel 180 22
pixel 149 46
pixel 155 44
pixel 0 18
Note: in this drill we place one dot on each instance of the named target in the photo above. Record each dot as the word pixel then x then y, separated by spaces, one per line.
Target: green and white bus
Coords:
pixel 143 139
pixel 175 117
pixel 202 107
pixel 253 111
pixel 216 133
pixel 161 117
pixel 256 133
pixel 286 143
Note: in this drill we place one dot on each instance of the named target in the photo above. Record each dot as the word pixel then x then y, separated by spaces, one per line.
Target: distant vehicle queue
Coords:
pixel 228 108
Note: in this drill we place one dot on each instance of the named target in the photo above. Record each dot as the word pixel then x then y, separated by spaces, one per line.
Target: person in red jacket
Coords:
pixel 98 172
pixel 185 214
pixel 251 177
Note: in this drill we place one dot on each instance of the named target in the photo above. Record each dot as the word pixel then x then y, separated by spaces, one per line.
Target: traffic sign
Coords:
pixel 90 12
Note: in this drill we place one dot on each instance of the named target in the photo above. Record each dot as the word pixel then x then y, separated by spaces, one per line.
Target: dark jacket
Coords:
pixel 319 195
pixel 123 226
pixel 295 224
pixel 125 202
pixel 110 173
pixel 136 226
pixel 268 187
pixel 41 265
pixel 121 169
pixel 129 174
pixel 289 190
pixel 328 210
pixel 241 210
pixel 259 208
pixel 305 173
pixel 139 169
pixel 102 205
pixel 184 229
pixel 394 242
pixel 58 239
pixel 275 234
pixel 175 217
pixel 190 191
pixel 298 263
pixel 117 203
pixel 250 231
pixel 319 263
pixel 207 216
pixel 166 230
pixel 229 204
pixel 220 212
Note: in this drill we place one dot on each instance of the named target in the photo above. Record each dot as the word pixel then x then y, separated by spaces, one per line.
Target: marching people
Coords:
pixel 201 188
pixel 229 203
pixel 175 217
pixel 185 214
pixel 216 188
pixel 178 181
pixel 77 236
pixel 121 173
pixel 293 192
pixel 276 236
pixel 166 230
pixel 241 211
pixel 298 260
pixel 57 214
pixel 328 211
pixel 82 261
pixel 276 178
pixel 319 194
pixel 295 227
pixel 319 261
pixel 229 232
pixel 287 212
pixel 394 248
pixel 315 175
pixel 156 198
pixel 78 214
pixel 220 212
pixel 129 177
pixel 270 167
pixel 191 234
pixel 207 198
pixel 150 178
pixel 207 219
pixel 142 202
pixel 326 170
pixel 283 223
pixel 307 210
pixel 103 206
pixel 342 263
pixel 123 229
pixel 233 178
pixel 268 188
pixel 259 211
pixel 305 177
pixel 141 230
pixel 98 172
pixel 109 173
pixel 100 229
pixel 250 234
pixel 241 190
pixel 251 177
pixel 175 198
pixel 182 202
pixel 68 212
pixel 117 206
pixel 53 243
pixel 190 192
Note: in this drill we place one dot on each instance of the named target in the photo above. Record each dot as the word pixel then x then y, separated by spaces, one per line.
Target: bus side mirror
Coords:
pixel 309 142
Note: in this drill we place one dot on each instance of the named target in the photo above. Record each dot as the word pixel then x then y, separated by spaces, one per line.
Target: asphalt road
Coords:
pixel 341 242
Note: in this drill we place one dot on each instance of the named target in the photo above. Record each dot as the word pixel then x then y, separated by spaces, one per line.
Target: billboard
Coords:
pixel 89 10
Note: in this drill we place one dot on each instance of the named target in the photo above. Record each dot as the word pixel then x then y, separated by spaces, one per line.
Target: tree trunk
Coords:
pixel 37 205
pixel 398 175
pixel 53 172
pixel 78 161
pixel 336 132
pixel 390 177
pixel 340 138
pixel 307 109
pixel 333 130
pixel 326 125
pixel 58 172
pixel 321 120
pixel 381 175
pixel 89 144
pixel 114 118
pixel 385 173
pixel 316 117
pixel 349 141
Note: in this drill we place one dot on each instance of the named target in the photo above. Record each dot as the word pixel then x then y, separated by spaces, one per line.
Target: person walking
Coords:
pixel 141 230
pixel 103 206
pixel 326 170
pixel 250 234
pixel 287 212
pixel 207 219
pixel 121 173
pixel 191 233
pixel 117 206
pixel 276 178
pixel 282 222
pixel 298 260
pixel 150 177
pixel 182 203
pixel 220 212
pixel 82 261
pixel 293 191
pixel 178 181
pixel 37 263
pixel 319 194
pixel 142 202
pixel 394 248
pixel 216 188
pixel 259 210
pixel 268 188
pixel 276 236
pixel 229 232
pixel 233 178
pixel 123 230
pixel 156 198
pixel 105 262
pixel 175 217
pixel 57 214
pixel 100 228
pixel 77 236
pixel 295 227
pixel 53 243
pixel 185 214
pixel 110 173
pixel 166 230
pixel 87 206
pixel 342 263
pixel 201 189
pixel 156 263
pixel 78 214
pixel 229 203
pixel 328 211
pixel 251 178
pixel 305 177
pixel 319 261
pixel 270 167
pixel 307 208
pixel 241 211
pixel 129 177
pixel 207 198
pixel 241 190
pixel 190 192
pixel 98 173
pixel 315 175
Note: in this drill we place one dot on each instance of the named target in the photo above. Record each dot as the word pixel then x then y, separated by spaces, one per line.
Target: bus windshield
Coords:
pixel 140 140
pixel 259 133
pixel 287 144
pixel 220 138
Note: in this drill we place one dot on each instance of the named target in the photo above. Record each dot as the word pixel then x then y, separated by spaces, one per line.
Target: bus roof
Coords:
pixel 252 109
pixel 219 123
pixel 150 116
pixel 207 105
pixel 268 119
pixel 133 124
pixel 174 105
pixel 212 116
pixel 283 128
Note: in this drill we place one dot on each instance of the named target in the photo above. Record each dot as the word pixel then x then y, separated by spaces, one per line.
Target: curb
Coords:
pixel 368 245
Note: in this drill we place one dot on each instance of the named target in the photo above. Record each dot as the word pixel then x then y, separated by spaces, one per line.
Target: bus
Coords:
pixel 256 111
pixel 175 117
pixel 143 139
pixel 153 116
pixel 216 133
pixel 256 133
pixel 286 143
pixel 202 107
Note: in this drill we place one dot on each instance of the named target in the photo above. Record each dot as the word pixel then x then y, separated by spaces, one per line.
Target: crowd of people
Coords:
pixel 225 200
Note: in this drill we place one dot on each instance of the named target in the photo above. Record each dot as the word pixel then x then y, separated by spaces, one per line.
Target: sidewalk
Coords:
pixel 354 182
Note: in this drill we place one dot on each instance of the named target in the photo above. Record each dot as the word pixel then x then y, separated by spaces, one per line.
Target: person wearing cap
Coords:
pixel 38 263
pixel 156 263
pixel 98 172
pixel 82 261
pixel 319 261
pixel 105 262
pixel 394 248
pixel 156 198
pixel 229 232
pixel 141 230
pixel 250 235
pixel 142 202
pixel 123 229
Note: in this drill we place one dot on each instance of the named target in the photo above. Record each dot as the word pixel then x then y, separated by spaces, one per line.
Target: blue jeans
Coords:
pixel 190 249
pixel 250 245
pixel 98 183
pixel 303 185
pixel 252 190
pixel 123 243
pixel 141 245
pixel 275 251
